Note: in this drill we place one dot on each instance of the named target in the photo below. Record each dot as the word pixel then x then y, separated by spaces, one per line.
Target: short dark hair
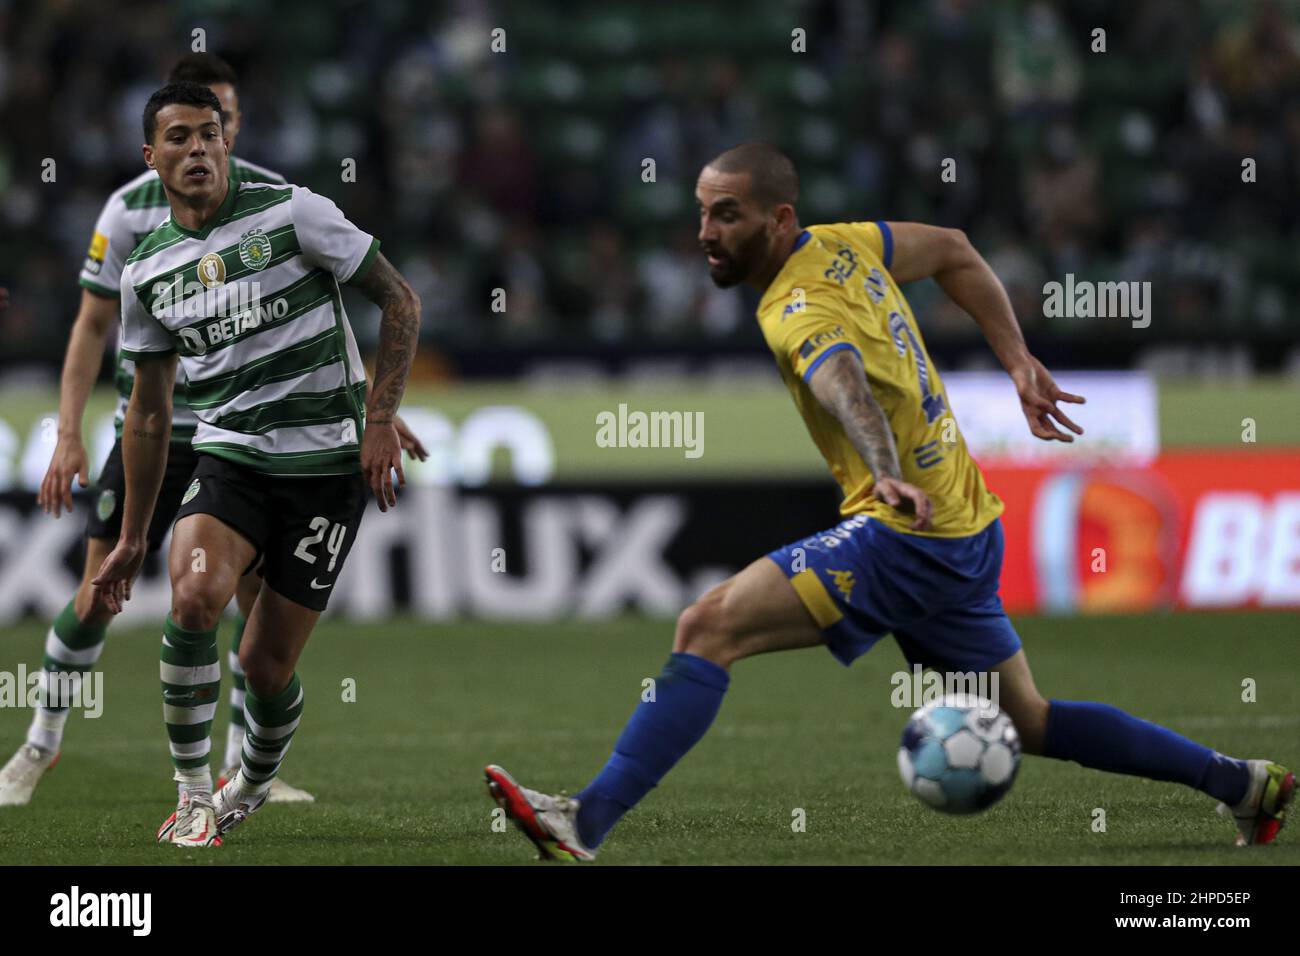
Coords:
pixel 203 68
pixel 187 94
pixel 772 176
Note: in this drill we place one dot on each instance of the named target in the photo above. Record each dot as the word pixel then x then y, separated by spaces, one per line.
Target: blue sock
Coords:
pixel 1106 738
pixel 687 696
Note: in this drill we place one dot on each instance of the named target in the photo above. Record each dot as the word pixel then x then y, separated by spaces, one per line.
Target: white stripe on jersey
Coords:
pixel 324 379
pixel 284 441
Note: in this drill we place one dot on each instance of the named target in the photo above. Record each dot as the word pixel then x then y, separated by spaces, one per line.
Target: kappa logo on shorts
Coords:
pixel 190 492
pixel 107 504
pixel 843 581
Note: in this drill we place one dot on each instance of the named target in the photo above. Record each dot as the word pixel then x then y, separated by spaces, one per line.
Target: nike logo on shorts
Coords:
pixel 320 587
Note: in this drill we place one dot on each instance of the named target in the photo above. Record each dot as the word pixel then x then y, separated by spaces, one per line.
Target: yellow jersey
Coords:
pixel 833 293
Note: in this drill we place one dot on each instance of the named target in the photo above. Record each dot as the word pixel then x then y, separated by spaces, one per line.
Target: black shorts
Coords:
pixel 302 528
pixel 105 519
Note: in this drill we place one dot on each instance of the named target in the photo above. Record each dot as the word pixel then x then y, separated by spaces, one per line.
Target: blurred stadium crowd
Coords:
pixel 523 169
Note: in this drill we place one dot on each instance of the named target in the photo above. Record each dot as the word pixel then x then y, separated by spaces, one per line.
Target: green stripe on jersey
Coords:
pixel 135 356
pixel 298 359
pixel 371 254
pixel 150 195
pixel 98 289
pixel 300 408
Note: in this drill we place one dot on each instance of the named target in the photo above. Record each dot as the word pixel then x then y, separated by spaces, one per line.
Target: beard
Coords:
pixel 734 269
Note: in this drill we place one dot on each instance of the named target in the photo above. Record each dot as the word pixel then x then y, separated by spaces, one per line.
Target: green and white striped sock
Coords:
pixel 191 688
pixel 271 723
pixel 235 732
pixel 71 647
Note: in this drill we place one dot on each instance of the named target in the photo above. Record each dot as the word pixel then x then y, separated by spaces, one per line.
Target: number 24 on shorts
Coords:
pixel 334 544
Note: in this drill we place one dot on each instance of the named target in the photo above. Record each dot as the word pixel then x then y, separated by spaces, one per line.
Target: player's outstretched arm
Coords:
pixel 840 385
pixel 146 432
pixel 80 369
pixel 922 251
pixel 399 333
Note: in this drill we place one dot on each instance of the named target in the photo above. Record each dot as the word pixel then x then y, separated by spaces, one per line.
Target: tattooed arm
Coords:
pixel 399 332
pixel 146 434
pixel 840 385
pixel 921 251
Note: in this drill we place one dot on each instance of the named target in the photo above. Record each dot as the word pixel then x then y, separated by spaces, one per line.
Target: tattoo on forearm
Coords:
pixel 841 387
pixel 142 433
pixel 399 332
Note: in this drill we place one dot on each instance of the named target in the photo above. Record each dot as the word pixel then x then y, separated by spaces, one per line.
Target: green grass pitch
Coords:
pixel 398 778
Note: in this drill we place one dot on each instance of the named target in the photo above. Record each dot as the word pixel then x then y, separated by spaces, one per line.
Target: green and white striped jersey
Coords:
pixel 130 214
pixel 251 303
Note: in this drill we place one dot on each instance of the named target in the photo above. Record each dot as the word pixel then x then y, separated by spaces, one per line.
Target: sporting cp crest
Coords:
pixel 190 492
pixel 255 249
pixel 107 502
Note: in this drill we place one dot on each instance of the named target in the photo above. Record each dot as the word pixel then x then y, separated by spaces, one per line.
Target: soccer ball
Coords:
pixel 959 754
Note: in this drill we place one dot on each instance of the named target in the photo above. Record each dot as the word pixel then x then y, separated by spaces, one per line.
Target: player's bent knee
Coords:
pixel 195 606
pixel 265 676
pixel 702 630
pixel 266 683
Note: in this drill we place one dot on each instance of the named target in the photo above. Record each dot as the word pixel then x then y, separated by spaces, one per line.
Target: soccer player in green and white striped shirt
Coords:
pixel 76 637
pixel 241 283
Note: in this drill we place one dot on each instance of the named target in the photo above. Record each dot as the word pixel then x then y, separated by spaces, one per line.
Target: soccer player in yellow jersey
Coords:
pixel 919 551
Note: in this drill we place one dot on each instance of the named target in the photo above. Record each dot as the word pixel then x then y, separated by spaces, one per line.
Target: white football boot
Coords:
pixel 549 821
pixel 193 823
pixel 1262 811
pixel 234 806
pixel 20 775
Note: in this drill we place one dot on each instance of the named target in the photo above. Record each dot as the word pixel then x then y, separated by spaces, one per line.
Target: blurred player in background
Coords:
pixel 241 284
pixel 76 638
pixel 920 552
